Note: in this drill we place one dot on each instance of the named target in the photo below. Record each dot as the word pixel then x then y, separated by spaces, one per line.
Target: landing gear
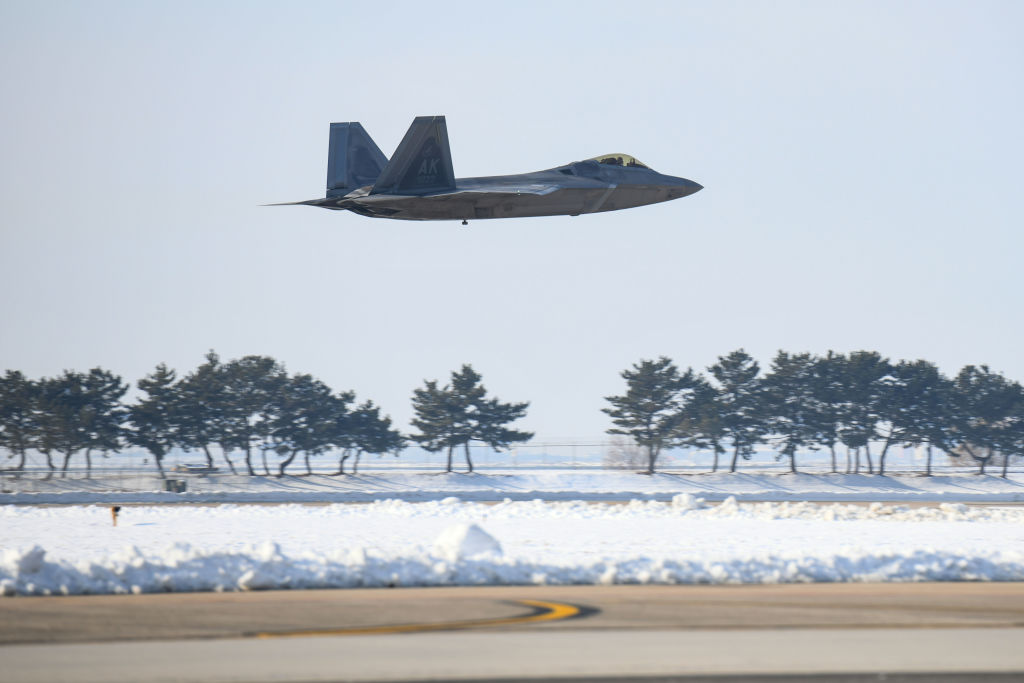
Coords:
pixel 465 222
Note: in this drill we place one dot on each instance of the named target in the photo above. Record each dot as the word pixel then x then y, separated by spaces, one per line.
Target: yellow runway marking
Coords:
pixel 543 611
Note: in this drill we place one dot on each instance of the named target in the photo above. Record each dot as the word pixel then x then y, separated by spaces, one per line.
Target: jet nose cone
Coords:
pixel 681 187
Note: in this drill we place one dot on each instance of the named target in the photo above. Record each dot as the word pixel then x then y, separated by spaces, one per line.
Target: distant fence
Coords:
pixel 135 471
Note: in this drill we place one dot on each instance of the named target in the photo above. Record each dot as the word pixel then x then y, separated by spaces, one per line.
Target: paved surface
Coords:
pixel 228 615
pixel 965 631
pixel 524 654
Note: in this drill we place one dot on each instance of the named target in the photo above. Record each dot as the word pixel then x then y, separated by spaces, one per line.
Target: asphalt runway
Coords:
pixel 801 632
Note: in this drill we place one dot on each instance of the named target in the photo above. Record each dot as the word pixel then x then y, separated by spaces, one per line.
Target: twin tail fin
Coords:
pixel 353 159
pixel 422 164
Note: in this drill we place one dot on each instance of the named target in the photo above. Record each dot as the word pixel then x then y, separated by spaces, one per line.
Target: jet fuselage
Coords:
pixel 585 188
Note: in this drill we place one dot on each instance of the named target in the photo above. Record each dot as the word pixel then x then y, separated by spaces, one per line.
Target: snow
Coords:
pixel 684 539
pixel 496 485
pixel 465 540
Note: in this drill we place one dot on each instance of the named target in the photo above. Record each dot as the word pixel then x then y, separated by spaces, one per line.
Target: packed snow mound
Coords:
pixel 687 501
pixel 465 540
pixel 26 560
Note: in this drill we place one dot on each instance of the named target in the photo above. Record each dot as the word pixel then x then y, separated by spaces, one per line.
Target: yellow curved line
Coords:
pixel 553 612
pixel 558 610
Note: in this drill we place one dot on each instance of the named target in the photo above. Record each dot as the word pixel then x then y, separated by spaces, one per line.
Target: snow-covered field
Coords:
pixel 75 549
pixel 496 485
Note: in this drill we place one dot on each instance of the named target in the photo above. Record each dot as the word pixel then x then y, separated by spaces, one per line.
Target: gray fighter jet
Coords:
pixel 418 183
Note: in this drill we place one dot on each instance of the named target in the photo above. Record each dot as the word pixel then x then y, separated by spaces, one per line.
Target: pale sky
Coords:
pixel 862 164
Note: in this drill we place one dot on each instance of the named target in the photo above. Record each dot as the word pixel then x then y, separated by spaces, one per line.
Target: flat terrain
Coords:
pixel 963 631
pixel 747 627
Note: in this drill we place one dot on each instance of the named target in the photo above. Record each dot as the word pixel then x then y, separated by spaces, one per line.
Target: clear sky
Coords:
pixel 862 164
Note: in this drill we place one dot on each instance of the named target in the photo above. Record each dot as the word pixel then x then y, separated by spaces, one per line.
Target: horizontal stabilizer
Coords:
pixel 422 164
pixel 308 202
pixel 323 202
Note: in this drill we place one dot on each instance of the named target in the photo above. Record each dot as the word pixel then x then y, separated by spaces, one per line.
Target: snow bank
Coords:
pixel 183 568
pixel 75 549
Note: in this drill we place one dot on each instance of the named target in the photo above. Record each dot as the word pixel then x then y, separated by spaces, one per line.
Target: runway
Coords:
pixel 624 632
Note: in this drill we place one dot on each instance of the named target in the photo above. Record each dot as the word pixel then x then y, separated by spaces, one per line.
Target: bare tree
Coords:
pixel 623 454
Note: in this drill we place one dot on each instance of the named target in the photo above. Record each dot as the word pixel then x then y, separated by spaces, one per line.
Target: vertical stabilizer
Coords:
pixel 422 164
pixel 353 159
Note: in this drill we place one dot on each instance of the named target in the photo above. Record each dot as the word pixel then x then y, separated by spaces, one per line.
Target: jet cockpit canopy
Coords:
pixel 619 160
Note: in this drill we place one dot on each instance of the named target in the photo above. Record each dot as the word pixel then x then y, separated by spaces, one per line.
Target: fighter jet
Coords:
pixel 418 183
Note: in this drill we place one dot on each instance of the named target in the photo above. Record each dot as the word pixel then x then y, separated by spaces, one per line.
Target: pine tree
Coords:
pixel 985 408
pixel 200 408
pixel 372 433
pixel 152 421
pixel 19 415
pixel 703 426
pixel 791 406
pixel 461 412
pixel 104 415
pixel 907 400
pixel 938 418
pixel 251 387
pixel 467 395
pixel 81 411
pixel 341 426
pixel 741 401
pixel 863 373
pixel 437 419
pixel 829 395
pixel 297 418
pixel 61 404
pixel 652 412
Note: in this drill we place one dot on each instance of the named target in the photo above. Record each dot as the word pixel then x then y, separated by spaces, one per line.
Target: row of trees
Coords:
pixel 254 407
pixel 809 402
pixel 250 406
